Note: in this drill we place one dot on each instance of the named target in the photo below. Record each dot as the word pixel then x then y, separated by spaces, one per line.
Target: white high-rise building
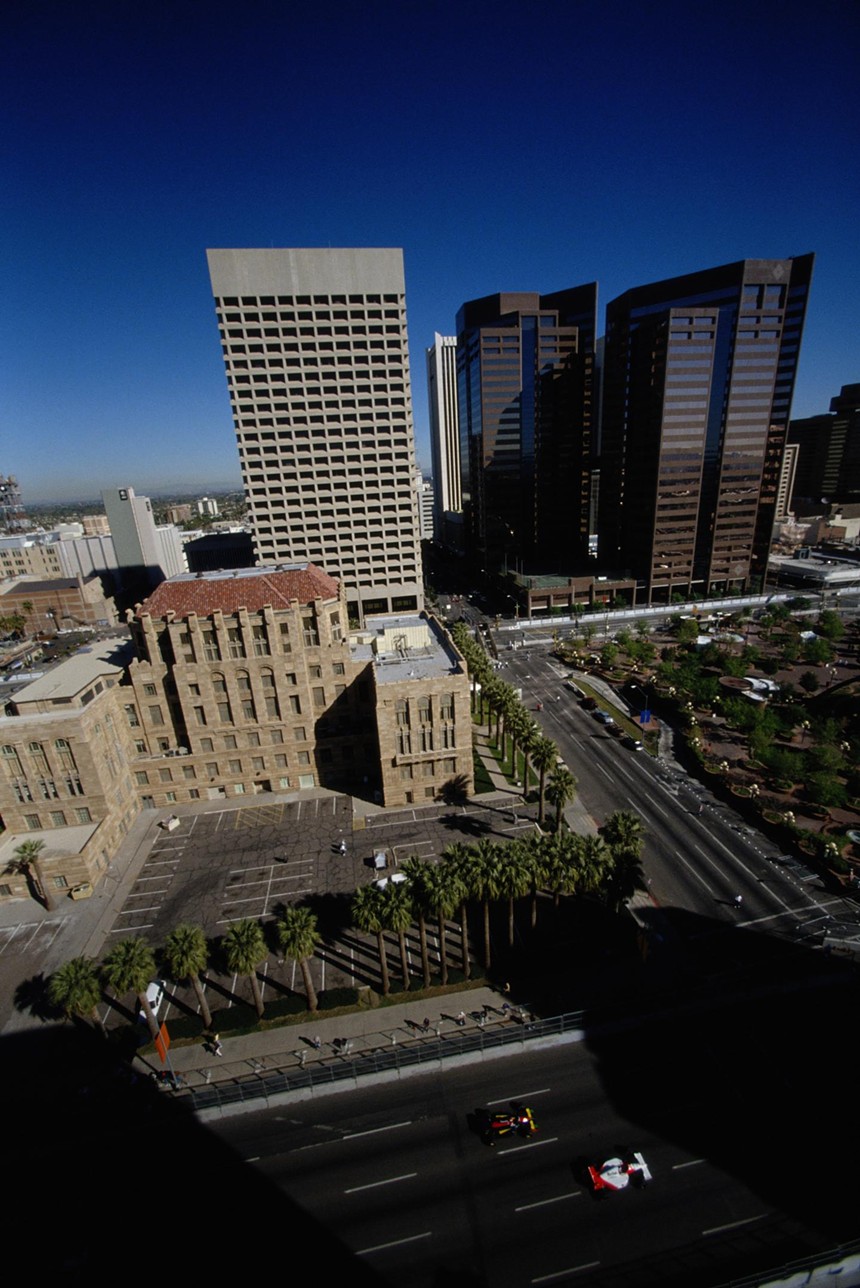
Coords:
pixel 444 429
pixel 317 365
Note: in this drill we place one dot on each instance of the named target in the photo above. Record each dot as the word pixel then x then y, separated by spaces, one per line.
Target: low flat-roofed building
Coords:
pixel 65 776
pixel 55 604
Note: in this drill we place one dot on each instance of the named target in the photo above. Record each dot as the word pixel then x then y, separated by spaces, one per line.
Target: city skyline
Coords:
pixel 135 141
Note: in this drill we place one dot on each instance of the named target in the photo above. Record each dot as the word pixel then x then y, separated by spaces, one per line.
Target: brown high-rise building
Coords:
pixel 698 379
pixel 828 454
pixel 525 368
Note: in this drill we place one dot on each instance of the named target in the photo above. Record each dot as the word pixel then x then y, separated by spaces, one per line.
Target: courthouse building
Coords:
pixel 239 683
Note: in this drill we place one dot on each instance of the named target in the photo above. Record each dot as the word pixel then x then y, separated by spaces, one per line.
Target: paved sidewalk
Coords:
pixel 342 1037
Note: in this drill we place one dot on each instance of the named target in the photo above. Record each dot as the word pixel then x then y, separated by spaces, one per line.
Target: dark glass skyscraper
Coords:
pixel 698 379
pixel 525 370
pixel 828 459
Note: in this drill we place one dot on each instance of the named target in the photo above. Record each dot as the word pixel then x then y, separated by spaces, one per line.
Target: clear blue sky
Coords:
pixel 505 146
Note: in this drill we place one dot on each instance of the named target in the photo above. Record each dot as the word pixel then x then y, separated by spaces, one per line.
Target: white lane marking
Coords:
pixel 603 771
pixel 559 1198
pixel 694 1162
pixel 532 1144
pixel 380 1247
pixel 637 805
pixel 255 1158
pixel 374 1131
pixel 392 1180
pixel 571 1270
pixel 733 1225
pixel 523 1096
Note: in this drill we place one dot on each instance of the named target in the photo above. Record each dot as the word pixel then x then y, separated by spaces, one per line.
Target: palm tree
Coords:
pixel 623 878
pixel 534 853
pixel 624 831
pixel 456 858
pixel 514 881
pixel 416 870
pixel 25 861
pixel 560 791
pixel 299 938
pixel 484 875
pixel 368 915
pixel 128 968
pixel 187 956
pixel 397 914
pixel 545 756
pixel 595 862
pixel 245 950
pixel 530 739
pixel 561 864
pixel 75 987
pixel 442 898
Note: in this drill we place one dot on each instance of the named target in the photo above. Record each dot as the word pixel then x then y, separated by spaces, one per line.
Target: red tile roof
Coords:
pixel 252 589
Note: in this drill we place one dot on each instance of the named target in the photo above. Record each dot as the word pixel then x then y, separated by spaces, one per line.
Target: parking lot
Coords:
pixel 219 865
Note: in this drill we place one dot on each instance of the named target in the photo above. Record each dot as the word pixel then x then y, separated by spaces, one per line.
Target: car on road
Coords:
pixel 635 744
pixel 589 704
pixel 494 1123
pixel 603 717
pixel 614 1174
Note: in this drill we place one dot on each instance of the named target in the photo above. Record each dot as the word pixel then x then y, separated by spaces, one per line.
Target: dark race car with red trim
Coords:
pixel 518 1121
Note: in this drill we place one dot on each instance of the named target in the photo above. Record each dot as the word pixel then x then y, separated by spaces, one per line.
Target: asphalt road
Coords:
pixel 698 853
pixel 400 1177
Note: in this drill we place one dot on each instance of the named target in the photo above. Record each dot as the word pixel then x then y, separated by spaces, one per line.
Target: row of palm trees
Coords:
pixel 496 704
pixel 76 988
pixel 487 873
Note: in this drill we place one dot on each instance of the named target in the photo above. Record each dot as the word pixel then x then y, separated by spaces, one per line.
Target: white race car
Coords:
pixel 617 1174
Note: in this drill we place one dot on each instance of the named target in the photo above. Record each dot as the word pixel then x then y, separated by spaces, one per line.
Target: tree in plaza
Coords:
pixel 594 861
pixel 26 861
pixel 244 951
pixel 299 938
pixel 544 756
pixel 560 791
pixel 397 914
pixel 128 968
pixel 416 871
pixel 187 955
pixel 368 915
pixel 76 989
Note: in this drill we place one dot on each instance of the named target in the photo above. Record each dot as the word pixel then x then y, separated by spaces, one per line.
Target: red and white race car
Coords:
pixel 617 1174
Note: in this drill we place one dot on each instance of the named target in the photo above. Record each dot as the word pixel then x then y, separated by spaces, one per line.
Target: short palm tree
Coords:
pixel 25 860
pixel 244 951
pixel 368 915
pixel 299 939
pixel 128 968
pixel 622 879
pixel 187 957
pixel 76 989
pixel 560 791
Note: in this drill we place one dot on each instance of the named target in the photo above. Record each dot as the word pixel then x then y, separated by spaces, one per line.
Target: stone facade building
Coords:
pixel 65 770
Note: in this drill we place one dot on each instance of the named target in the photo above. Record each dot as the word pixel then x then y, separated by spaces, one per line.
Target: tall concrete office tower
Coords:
pixel 697 386
pixel 444 430
pixel 525 369
pixel 318 372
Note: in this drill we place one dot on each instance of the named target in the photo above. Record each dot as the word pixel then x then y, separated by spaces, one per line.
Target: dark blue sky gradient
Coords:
pixel 504 146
